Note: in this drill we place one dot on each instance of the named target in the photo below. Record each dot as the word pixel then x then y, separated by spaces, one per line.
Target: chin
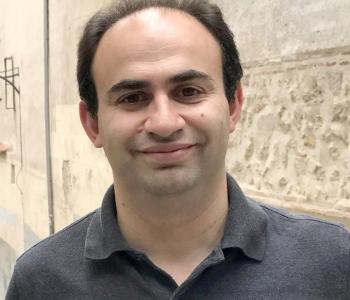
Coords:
pixel 169 181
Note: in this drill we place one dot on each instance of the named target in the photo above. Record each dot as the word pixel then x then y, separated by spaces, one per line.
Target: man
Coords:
pixel 161 93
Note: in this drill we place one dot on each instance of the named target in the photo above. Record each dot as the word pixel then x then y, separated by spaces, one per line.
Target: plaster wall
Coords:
pixel 80 172
pixel 23 195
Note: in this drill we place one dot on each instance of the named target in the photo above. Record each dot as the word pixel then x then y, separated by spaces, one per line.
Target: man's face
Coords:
pixel 163 119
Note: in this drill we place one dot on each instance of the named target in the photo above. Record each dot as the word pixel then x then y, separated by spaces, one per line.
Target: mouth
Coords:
pixel 168 153
pixel 166 148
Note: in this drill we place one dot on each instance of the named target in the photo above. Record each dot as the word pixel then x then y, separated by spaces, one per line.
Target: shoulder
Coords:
pixel 55 248
pixel 288 218
pixel 305 231
pixel 50 262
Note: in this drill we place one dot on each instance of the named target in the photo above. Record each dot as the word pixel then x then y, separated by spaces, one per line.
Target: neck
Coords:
pixel 174 228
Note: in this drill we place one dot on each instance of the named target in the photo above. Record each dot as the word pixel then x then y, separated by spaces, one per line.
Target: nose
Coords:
pixel 163 119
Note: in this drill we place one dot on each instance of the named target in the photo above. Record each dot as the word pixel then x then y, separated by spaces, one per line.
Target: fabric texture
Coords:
pixel 265 253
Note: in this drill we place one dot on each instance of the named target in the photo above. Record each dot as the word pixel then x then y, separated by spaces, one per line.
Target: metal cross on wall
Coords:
pixel 8 75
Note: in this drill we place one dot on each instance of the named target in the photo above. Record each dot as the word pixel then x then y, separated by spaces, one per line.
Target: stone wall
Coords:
pixel 292 147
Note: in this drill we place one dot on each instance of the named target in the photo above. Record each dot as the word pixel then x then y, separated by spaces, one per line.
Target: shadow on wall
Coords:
pixel 7 261
pixel 30 237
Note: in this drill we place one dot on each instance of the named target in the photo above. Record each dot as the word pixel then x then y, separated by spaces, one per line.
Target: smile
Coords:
pixel 170 153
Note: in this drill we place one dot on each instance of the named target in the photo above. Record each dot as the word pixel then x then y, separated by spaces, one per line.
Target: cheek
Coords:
pixel 214 120
pixel 121 135
pixel 119 125
pixel 110 134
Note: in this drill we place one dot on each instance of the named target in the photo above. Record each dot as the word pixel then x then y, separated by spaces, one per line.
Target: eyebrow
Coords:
pixel 189 75
pixel 129 84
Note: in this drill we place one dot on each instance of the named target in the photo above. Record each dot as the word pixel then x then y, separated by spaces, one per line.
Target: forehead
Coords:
pixel 156 37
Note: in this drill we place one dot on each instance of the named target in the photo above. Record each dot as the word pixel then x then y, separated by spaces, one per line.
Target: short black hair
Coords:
pixel 206 13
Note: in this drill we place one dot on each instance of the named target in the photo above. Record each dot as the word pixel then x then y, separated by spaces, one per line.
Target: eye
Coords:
pixel 187 93
pixel 133 99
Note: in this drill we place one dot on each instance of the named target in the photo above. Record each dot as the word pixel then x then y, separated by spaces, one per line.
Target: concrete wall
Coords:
pixel 291 148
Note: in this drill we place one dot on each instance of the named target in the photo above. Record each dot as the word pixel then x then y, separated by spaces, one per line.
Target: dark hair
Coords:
pixel 206 13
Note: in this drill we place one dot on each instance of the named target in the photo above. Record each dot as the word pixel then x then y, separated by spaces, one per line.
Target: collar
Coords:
pixel 103 235
pixel 246 223
pixel 245 228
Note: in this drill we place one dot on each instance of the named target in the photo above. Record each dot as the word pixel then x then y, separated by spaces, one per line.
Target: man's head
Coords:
pixel 207 14
pixel 163 118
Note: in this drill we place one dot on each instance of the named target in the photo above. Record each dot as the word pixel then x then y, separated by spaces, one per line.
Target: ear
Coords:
pixel 235 106
pixel 90 124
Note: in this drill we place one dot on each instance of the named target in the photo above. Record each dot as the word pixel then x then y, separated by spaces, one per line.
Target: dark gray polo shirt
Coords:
pixel 265 253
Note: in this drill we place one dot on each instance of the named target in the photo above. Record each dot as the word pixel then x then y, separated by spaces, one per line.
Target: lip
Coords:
pixel 168 153
pixel 166 148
